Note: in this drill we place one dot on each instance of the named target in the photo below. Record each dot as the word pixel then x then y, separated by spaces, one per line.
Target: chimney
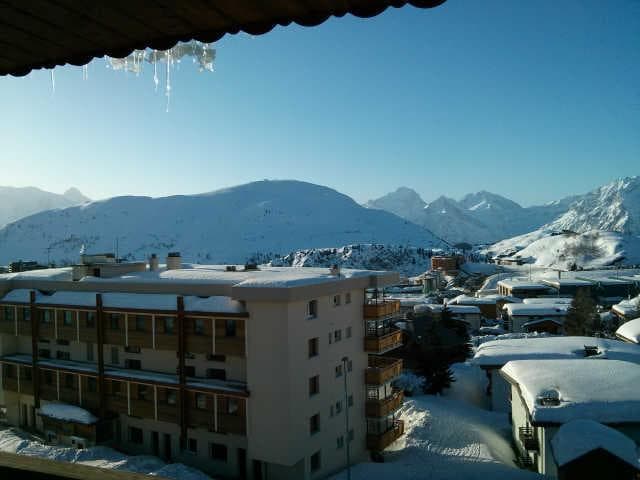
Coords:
pixel 153 262
pixel 174 261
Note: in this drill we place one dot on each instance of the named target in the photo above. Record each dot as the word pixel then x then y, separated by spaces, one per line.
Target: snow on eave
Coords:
pixel 576 438
pixel 630 331
pixel 68 413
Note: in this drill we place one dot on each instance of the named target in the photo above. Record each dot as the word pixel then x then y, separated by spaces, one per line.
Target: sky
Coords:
pixel 531 100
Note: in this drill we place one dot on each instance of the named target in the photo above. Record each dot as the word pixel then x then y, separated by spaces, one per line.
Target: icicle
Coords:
pixel 85 72
pixel 168 85
pixel 53 82
pixel 155 68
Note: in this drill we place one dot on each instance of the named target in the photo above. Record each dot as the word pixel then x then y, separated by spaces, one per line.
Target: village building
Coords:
pixel 523 288
pixel 630 331
pixel 536 317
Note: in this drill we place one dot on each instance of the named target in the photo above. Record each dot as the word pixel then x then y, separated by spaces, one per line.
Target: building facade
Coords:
pixel 241 372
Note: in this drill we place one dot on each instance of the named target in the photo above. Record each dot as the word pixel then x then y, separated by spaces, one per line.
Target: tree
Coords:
pixel 581 316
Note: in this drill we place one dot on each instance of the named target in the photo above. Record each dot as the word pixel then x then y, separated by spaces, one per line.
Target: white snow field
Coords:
pixel 15 441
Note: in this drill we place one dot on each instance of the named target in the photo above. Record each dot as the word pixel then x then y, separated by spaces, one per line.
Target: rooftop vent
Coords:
pixel 549 398
pixel 153 262
pixel 230 268
pixel 251 266
pixel 591 350
pixel 174 261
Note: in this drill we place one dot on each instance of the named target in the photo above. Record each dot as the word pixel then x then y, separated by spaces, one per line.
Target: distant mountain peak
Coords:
pixel 75 195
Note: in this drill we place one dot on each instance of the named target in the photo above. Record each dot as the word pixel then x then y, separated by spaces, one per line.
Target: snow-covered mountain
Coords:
pixel 404 202
pixel 229 225
pixel 16 203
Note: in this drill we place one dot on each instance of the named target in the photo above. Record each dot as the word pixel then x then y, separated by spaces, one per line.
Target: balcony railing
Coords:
pixel 385 406
pixel 382 370
pixel 378 442
pixel 10 384
pixel 381 308
pixel 384 343
pixel 528 439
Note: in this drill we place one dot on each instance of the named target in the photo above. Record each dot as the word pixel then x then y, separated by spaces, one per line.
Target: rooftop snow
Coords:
pixel 68 413
pixel 579 437
pixel 536 309
pixel 45 274
pixel 454 309
pixel 568 282
pixel 467 300
pixel 517 283
pixel 628 307
pixel 630 331
pixel 499 352
pixel 548 301
pixel 606 392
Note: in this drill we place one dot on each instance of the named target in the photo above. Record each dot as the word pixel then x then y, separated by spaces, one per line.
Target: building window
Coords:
pixel 198 326
pixel 218 451
pixel 313 347
pixel 347 297
pixel 312 309
pixel 315 462
pixel 193 445
pixel 44 353
pixel 350 400
pixel 348 332
pixel 212 357
pixel 338 370
pixel 67 318
pixel 314 424
pixel 68 381
pixel 132 364
pixel 60 355
pixel 46 316
pixel 142 392
pixel 169 325
pixel 336 300
pixel 62 341
pixel 337 335
pixel 90 352
pixel 349 365
pixel 230 328
pixel 171 397
pixel 331 410
pixel 233 406
pixel 201 401
pixel 26 314
pixel 115 388
pixel 8 314
pixel 132 349
pixel 338 407
pixel 114 321
pixel 135 435
pixel 90 321
pixel 141 323
pixel 330 338
pixel 340 442
pixel 92 385
pixel 314 385
pixel 351 435
pixel 217 373
pixel 114 355
pixel 189 371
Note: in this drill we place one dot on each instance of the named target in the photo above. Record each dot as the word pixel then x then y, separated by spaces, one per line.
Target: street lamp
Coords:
pixel 345 361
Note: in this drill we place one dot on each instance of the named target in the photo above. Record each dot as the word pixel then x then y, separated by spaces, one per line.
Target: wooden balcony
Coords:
pixel 384 343
pixel 8 327
pixel 140 339
pixel 168 413
pixel 234 424
pixel 24 328
pixel 114 337
pixel 381 308
pixel 46 330
pixel 69 395
pixel 117 404
pixel 378 442
pixel 142 408
pixel 10 384
pixel 197 418
pixel 26 386
pixel 383 407
pixel 230 346
pixel 90 400
pixel 66 332
pixel 382 370
pixel 166 341
pixel 198 343
pixel 48 392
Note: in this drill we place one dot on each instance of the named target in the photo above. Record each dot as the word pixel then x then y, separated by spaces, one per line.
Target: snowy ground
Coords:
pixel 13 440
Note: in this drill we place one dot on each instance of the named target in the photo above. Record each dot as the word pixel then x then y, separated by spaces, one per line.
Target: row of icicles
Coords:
pixel 201 54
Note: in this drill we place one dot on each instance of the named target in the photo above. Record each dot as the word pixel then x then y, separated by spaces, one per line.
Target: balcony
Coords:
pixel 528 439
pixel 378 442
pixel 383 343
pixel 232 424
pixel 8 326
pixel 168 412
pixel 117 403
pixel 385 406
pixel 381 309
pixel 10 384
pixel 198 418
pixel 382 370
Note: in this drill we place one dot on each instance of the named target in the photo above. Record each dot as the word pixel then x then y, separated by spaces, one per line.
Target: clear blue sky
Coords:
pixel 533 100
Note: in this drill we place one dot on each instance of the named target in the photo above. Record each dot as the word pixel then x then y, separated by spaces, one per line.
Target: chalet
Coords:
pixel 523 288
pixel 570 286
pixel 539 317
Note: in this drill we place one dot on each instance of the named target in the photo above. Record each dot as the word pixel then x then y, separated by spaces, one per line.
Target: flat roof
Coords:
pixel 568 282
pixel 536 309
pixel 604 391
pixel 526 284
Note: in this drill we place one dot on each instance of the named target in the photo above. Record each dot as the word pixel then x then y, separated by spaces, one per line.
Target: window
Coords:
pixel 338 407
pixel 217 373
pixel 350 400
pixel 218 451
pixel 90 352
pixel 48 377
pixel 26 314
pixel 132 349
pixel 315 462
pixel 92 385
pixel 233 406
pixel 62 341
pixel 169 325
pixel 340 442
pixel 90 321
pixel 60 355
pixel 142 392
pixel 135 435
pixel 172 397
pixel 189 371
pixel 114 355
pixel 330 338
pixel 313 347
pixel 193 445
pixel 347 297
pixel 336 300
pixel 187 355
pixel 314 424
pixel 230 328
pixel 46 316
pixel 114 321
pixel 312 309
pixel 349 365
pixel 212 357
pixel 44 353
pixel 68 381
pixel 337 335
pixel 201 401
pixel 67 318
pixel 348 332
pixel 8 314
pixel 198 326
pixel 351 435
pixel 338 371
pixel 115 388
pixel 132 364
pixel 140 323
pixel 314 385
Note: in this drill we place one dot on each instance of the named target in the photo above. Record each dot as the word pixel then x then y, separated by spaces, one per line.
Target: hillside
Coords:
pixel 16 203
pixel 229 225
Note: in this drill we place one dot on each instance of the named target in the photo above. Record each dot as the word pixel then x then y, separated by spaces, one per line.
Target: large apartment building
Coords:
pixel 243 372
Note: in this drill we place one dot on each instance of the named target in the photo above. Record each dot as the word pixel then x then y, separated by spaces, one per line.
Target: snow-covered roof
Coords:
pixel 523 284
pixel 548 301
pixel 604 391
pixel 140 301
pixel 67 413
pixel 468 300
pixel 568 282
pixel 630 331
pixel 44 274
pixel 579 437
pixel 542 320
pixel 498 352
pixel 627 307
pixel 505 298
pixel 544 309
pixel 454 309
